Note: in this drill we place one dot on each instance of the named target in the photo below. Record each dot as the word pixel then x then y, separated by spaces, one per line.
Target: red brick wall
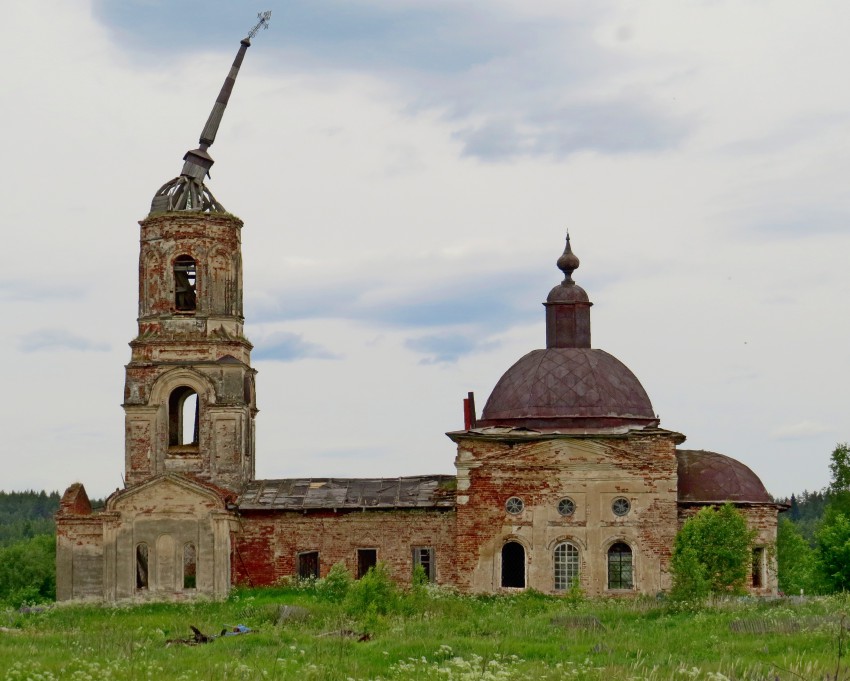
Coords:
pixel 267 544
pixel 590 470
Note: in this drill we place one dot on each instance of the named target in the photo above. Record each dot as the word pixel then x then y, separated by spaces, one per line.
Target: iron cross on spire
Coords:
pixel 264 19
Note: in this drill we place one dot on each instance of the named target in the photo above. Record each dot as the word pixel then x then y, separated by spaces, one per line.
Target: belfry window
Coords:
pixel 183 417
pixel 513 565
pixel 566 566
pixel 620 572
pixel 185 275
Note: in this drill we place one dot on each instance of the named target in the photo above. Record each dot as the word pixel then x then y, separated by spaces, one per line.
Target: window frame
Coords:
pixel 619 584
pixel 361 554
pixel 176 401
pixel 624 504
pixel 564 501
pixel 306 567
pixel 757 576
pixel 185 266
pixel 190 578
pixel 429 564
pixel 568 561
pixel 142 565
pixel 514 505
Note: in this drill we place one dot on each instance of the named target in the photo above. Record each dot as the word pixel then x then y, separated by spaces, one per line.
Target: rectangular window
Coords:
pixel 758 567
pixel 424 556
pixel 308 565
pixel 366 558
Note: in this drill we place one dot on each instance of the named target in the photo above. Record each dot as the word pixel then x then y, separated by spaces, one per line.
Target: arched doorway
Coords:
pixel 513 565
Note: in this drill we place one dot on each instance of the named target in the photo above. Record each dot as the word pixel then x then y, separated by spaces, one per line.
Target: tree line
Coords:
pixel 813 537
pixel 712 553
pixel 27 547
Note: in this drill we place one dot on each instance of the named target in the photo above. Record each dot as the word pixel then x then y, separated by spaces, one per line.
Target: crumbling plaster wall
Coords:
pixel 267 544
pixel 203 348
pixel 166 514
pixel 591 471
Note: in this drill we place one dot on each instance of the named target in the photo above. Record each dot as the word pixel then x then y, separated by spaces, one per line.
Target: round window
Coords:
pixel 566 506
pixel 621 506
pixel 514 505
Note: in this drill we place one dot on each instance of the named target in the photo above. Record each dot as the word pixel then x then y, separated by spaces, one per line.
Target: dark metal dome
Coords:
pixel 568 388
pixel 708 477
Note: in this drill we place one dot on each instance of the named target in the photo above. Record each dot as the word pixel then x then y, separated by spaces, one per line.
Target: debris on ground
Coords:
pixel 235 631
pixel 348 633
pixel 200 637
pixel 292 613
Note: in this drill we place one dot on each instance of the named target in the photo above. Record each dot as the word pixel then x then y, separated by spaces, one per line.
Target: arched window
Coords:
pixel 142 566
pixel 566 566
pixel 513 565
pixel 190 566
pixel 620 572
pixel 183 417
pixel 185 275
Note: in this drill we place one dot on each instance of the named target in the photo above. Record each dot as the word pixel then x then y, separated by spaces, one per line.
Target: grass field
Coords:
pixel 427 634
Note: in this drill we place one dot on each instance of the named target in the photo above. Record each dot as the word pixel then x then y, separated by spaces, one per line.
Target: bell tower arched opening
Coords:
pixel 183 417
pixel 185 278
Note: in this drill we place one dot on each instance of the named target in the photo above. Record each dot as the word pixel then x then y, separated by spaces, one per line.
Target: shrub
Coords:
pixel 374 591
pixel 690 582
pixel 713 549
pixel 336 585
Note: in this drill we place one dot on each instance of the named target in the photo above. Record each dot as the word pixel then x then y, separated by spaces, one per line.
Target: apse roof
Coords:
pixel 295 494
pixel 709 477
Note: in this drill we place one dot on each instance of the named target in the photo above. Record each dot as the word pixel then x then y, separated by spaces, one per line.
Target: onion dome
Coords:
pixel 568 385
pixel 708 477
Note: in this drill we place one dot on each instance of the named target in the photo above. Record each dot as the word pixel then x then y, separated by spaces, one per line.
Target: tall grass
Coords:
pixel 424 633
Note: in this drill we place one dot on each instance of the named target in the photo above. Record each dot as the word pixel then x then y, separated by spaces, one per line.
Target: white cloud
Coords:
pixel 801 430
pixel 716 260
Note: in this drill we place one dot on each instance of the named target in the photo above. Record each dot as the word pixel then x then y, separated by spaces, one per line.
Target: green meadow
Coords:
pixel 375 632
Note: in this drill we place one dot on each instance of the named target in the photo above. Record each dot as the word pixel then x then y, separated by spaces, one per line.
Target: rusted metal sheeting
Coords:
pixel 568 387
pixel 711 477
pixel 421 491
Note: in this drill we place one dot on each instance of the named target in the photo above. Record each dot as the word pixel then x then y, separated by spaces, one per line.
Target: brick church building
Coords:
pixel 566 477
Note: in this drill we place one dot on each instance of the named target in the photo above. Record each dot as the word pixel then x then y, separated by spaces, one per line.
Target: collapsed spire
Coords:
pixel 188 191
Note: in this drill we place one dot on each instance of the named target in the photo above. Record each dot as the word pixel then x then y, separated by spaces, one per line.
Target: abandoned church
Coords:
pixel 566 477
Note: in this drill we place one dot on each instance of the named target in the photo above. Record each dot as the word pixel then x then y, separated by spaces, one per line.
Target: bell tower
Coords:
pixel 189 395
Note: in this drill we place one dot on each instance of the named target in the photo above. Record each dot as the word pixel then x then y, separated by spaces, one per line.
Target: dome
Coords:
pixel 568 387
pixel 708 477
pixel 563 293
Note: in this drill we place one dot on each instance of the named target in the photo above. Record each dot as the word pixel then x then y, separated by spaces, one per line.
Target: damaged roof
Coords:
pixel 296 494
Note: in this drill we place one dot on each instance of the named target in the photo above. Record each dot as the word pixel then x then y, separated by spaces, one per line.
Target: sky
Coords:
pixel 406 171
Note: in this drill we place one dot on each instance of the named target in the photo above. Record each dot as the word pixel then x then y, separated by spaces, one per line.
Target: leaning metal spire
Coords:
pixel 188 191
